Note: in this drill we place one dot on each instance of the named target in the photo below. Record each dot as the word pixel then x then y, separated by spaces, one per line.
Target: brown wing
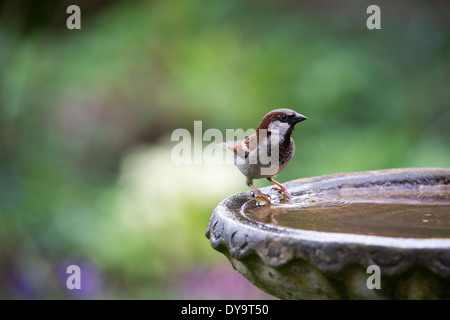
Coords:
pixel 244 147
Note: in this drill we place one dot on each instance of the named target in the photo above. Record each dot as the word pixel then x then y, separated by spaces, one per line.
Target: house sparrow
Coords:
pixel 268 151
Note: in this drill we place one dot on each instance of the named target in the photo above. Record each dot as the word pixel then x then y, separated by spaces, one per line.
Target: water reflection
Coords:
pixel 388 217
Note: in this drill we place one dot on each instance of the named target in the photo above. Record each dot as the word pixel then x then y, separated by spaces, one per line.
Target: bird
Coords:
pixel 268 151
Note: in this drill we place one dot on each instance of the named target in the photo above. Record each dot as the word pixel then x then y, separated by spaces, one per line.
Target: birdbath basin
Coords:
pixel 367 235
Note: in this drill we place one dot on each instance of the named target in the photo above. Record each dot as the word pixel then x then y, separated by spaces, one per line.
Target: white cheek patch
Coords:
pixel 281 127
pixel 244 146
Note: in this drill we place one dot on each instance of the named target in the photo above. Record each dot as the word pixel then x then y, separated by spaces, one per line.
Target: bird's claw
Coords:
pixel 284 193
pixel 261 195
pixel 287 196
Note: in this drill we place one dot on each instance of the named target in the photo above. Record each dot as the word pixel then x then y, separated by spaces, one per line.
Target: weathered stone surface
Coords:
pixel 302 264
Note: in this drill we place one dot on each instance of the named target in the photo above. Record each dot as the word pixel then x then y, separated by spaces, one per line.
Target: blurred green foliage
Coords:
pixel 86 117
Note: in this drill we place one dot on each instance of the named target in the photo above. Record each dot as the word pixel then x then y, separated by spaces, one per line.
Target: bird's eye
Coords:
pixel 283 118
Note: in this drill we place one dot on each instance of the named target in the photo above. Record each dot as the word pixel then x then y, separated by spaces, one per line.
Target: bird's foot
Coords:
pixel 284 193
pixel 259 194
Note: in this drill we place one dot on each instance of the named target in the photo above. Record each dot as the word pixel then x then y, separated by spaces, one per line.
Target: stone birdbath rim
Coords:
pixel 299 186
pixel 231 231
pixel 262 252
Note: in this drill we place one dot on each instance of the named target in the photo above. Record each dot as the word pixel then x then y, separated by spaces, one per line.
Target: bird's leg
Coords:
pixel 282 189
pixel 259 193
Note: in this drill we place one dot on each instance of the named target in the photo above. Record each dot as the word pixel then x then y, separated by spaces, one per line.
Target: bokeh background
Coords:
pixel 86 117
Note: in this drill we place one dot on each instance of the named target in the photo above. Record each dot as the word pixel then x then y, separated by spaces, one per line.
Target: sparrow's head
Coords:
pixel 283 120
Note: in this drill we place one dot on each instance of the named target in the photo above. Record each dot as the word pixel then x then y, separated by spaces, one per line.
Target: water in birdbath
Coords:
pixel 391 214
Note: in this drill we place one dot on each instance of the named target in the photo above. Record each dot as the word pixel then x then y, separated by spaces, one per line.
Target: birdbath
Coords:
pixel 367 235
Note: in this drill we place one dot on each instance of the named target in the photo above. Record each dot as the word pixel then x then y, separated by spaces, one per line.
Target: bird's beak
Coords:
pixel 298 118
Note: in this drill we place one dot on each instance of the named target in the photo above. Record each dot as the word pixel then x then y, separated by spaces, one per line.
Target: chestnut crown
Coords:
pixel 286 116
